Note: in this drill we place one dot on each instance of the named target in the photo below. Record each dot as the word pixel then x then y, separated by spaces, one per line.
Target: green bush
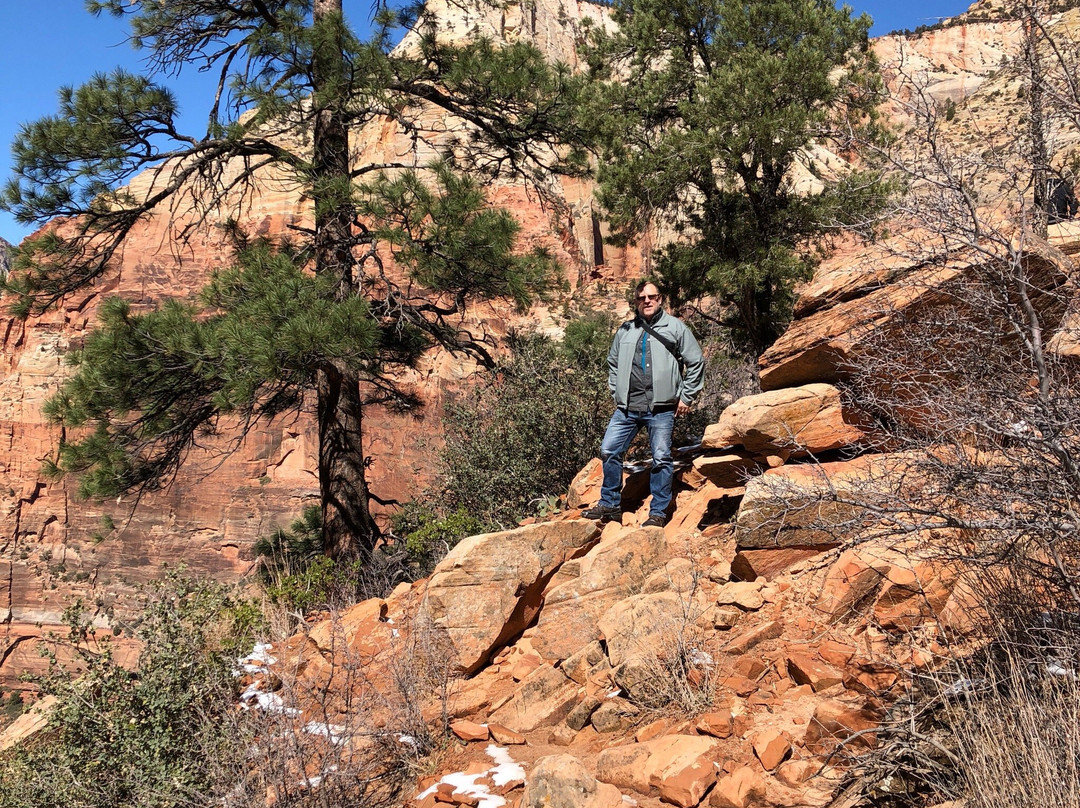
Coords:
pixel 521 435
pixel 164 734
pixel 427 535
pixel 297 576
pixel 321 585
pixel 286 552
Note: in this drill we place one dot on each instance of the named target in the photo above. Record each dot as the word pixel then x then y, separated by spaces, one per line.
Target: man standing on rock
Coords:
pixel 655 369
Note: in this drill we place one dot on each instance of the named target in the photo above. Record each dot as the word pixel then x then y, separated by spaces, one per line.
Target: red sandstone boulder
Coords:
pixel 728 470
pixel 824 345
pixel 771 748
pixel 806 670
pixel 544 699
pixel 796 421
pixel 679 768
pixel 562 781
pixel 489 587
pixel 743 642
pixel 585 588
pixel 913 592
pixel 835 721
pixel 853 578
pixel 749 565
pixel 743 788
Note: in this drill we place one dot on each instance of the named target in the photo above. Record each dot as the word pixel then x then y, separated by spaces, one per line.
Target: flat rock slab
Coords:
pixel 544 699
pixel 489 588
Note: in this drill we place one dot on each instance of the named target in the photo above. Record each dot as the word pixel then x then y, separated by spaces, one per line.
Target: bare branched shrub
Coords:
pixel 967 360
pixel 674 663
pixel 354 729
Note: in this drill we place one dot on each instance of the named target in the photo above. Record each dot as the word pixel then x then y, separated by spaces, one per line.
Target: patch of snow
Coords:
pixel 613 693
pixel 258 660
pixel 699 657
pixel 267 702
pixel 963 685
pixel 1057 669
pixel 408 740
pixel 331 732
pixel 505 770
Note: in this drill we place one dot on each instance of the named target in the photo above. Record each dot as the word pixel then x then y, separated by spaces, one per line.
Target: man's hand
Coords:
pixel 682 408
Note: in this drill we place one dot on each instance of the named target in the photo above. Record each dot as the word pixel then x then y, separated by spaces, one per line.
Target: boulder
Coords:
pixel 913 592
pixel 691 507
pixel 361 628
pixel 814 505
pixel 804 669
pixel 614 715
pixel 544 699
pixel 677 575
pixel 505 735
pixel 743 788
pixel 749 565
pixel 32 721
pixel 836 721
pixel 744 594
pixel 469 730
pixel 742 643
pixel 718 724
pixel 580 715
pixel 799 420
pixel 725 618
pixel 488 588
pixel 584 489
pixel 678 768
pixel 587 587
pixel 646 625
pixel 728 470
pixel 824 345
pixel 562 781
pixel 771 748
pixel 850 582
pixel 580 665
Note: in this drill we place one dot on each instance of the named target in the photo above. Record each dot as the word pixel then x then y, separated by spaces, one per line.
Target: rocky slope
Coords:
pixel 55 546
pixel 744 655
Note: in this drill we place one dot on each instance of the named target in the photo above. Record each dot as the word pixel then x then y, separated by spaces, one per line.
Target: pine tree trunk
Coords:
pixel 348 528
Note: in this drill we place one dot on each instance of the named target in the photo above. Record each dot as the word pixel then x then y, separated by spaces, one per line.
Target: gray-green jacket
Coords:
pixel 669 386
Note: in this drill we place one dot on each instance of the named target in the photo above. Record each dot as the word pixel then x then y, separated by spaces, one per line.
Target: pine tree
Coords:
pixel 289 72
pixel 701 109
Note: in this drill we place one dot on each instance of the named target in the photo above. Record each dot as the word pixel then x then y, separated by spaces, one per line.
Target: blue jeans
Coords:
pixel 621 430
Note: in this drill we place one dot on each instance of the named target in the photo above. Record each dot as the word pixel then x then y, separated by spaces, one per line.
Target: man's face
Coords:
pixel 648 301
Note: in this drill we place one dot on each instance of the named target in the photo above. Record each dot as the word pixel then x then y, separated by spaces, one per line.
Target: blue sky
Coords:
pixel 50 43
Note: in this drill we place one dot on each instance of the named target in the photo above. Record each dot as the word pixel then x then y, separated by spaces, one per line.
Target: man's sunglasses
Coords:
pixel 646 298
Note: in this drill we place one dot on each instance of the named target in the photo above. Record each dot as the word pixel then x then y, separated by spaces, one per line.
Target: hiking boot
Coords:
pixel 655 520
pixel 605 513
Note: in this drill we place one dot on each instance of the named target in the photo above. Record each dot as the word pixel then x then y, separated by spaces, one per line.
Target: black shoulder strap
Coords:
pixel 672 348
